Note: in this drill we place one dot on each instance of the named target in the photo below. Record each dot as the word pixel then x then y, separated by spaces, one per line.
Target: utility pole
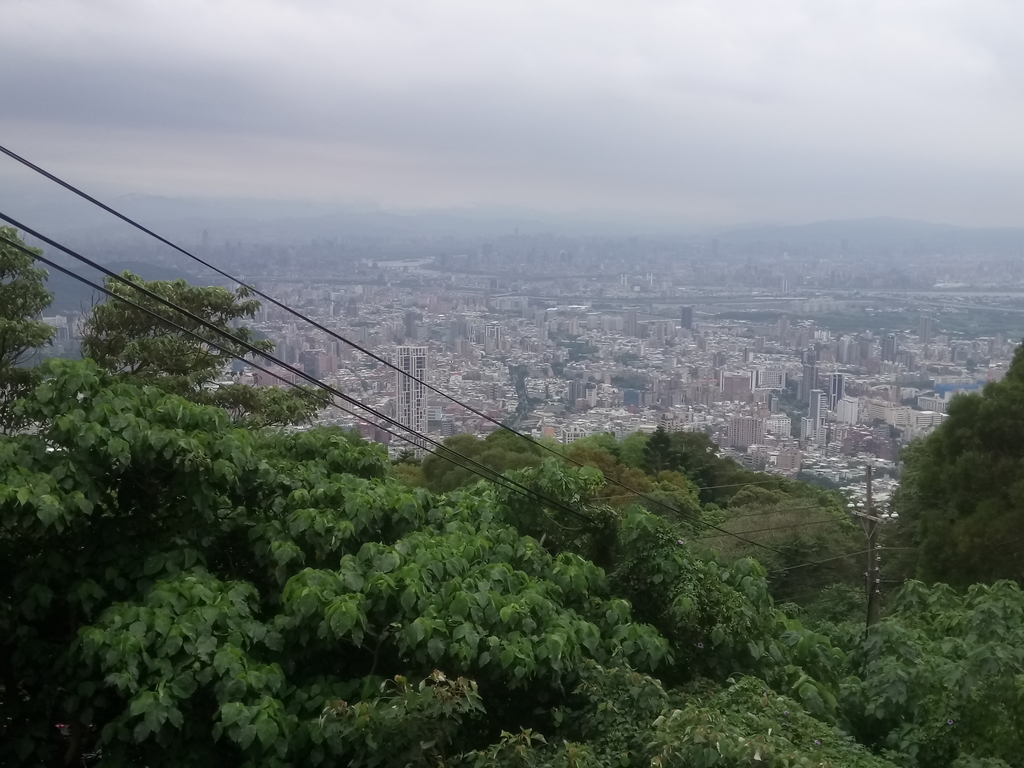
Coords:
pixel 874 581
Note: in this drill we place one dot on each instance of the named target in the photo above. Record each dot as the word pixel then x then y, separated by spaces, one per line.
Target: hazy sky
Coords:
pixel 712 111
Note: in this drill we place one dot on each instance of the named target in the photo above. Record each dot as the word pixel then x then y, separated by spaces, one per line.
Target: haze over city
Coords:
pixel 654 114
pixel 522 384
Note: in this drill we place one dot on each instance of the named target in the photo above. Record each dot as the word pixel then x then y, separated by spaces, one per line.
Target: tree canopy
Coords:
pixel 183 583
pixel 130 341
pixel 23 297
pixel 961 499
pixel 179 590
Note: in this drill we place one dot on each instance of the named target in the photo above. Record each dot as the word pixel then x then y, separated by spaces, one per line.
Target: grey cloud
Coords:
pixel 724 110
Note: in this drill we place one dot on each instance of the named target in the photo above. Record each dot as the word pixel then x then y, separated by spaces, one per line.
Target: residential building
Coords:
pixel 411 395
pixel 836 389
pixel 686 318
pixel 848 410
pixel 779 424
pixel 745 431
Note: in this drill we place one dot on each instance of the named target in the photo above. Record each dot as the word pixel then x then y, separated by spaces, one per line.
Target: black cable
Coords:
pixel 764 512
pixel 189 332
pixel 497 479
pixel 791 598
pixel 696 487
pixel 338 393
pixel 819 562
pixel 254 350
pixel 314 323
pixel 775 528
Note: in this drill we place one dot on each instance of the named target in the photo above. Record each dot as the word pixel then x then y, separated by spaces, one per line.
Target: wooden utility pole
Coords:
pixel 874 580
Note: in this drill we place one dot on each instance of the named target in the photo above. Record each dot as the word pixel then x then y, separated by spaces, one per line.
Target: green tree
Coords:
pixel 178 590
pixel 125 340
pixel 501 451
pixel 698 459
pixel 604 441
pixel 631 449
pixel 23 297
pixel 787 527
pixel 749 724
pixel 659 453
pixel 618 476
pixel 941 678
pixel 962 493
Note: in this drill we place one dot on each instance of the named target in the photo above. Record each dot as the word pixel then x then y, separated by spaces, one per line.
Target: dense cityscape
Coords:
pixel 512 384
pixel 809 366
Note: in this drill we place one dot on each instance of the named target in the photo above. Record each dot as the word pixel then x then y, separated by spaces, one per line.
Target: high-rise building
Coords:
pixel 768 378
pixel 779 424
pixel 575 391
pixel 411 401
pixel 634 397
pixel 809 381
pixel 789 459
pixel 412 320
pixel 924 331
pixel 836 389
pixel 813 427
pixel 496 332
pixel 745 431
pixel 734 386
pixel 889 348
pixel 847 410
pixel 864 350
pixel 631 324
pixel 686 318
pixel 844 347
pixel 660 330
pixel 782 328
pixel 315 362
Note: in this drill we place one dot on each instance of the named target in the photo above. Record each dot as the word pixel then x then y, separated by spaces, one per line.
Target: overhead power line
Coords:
pixel 128 220
pixel 774 528
pixel 491 476
pixel 74 189
pixel 483 471
pixel 487 473
pixel 787 510
pixel 302 374
pixel 837 557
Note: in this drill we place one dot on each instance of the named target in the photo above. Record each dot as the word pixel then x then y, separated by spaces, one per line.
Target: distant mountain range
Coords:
pixel 282 221
pixel 878 233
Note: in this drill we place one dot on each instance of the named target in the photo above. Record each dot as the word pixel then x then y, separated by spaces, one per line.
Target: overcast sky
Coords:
pixel 712 111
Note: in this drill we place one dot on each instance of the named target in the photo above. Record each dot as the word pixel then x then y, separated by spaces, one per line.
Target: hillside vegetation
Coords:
pixel 187 584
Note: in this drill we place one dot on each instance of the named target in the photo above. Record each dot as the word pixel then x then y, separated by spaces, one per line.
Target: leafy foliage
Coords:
pixel 177 588
pixel 747 725
pixel 23 297
pixel 180 590
pixel 943 677
pixel 121 338
pixel 500 451
pixel 126 340
pixel 962 494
